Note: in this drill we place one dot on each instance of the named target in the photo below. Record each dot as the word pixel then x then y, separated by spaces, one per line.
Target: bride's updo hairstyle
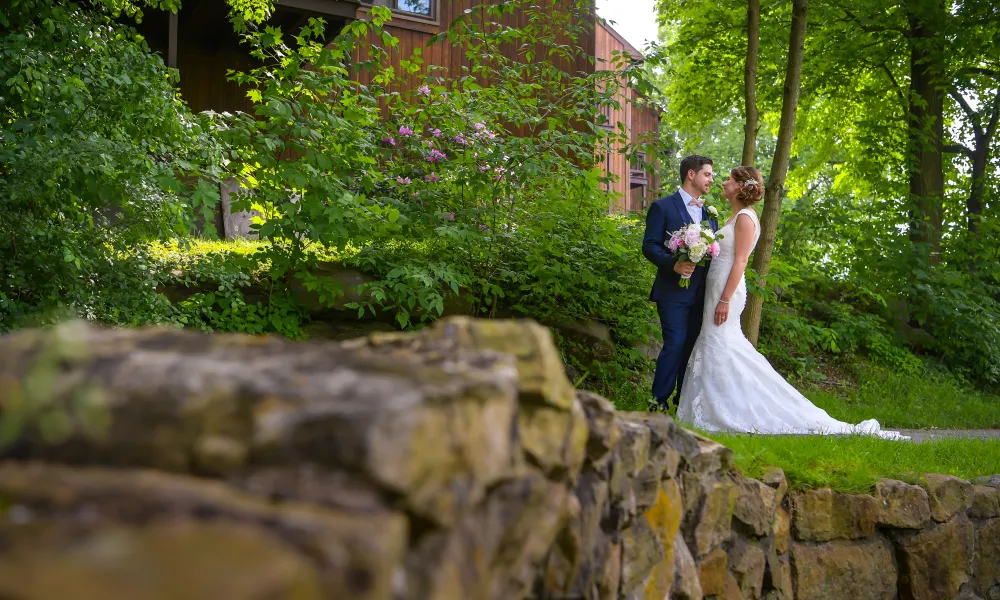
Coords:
pixel 751 185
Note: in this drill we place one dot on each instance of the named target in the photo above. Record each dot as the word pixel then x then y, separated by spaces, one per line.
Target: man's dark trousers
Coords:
pixel 680 309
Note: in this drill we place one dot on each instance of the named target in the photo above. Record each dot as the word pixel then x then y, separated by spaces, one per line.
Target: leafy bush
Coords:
pixel 478 192
pixel 93 139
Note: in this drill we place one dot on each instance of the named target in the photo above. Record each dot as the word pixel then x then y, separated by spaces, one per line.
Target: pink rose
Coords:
pixel 714 249
pixel 691 236
pixel 674 243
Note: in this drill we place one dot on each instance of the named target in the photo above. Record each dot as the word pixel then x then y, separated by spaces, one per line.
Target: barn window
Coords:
pixel 423 8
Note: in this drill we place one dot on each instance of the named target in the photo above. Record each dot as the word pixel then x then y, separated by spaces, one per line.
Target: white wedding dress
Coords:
pixel 731 387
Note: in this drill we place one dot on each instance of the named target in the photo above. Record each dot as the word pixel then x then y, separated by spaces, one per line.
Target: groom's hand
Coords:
pixel 683 267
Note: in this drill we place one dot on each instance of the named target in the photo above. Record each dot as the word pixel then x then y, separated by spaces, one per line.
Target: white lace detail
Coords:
pixel 729 386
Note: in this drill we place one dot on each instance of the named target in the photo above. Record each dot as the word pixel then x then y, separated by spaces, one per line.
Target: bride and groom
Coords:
pixel 724 384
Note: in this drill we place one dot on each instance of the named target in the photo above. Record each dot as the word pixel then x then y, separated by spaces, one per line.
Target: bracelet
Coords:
pixel 723 301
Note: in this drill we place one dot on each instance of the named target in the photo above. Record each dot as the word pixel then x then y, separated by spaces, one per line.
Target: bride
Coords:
pixel 729 386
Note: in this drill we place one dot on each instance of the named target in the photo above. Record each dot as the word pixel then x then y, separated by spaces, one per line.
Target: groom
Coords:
pixel 679 308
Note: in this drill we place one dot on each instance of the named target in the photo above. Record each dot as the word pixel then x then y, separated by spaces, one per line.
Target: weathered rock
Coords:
pixel 755 505
pixel 633 449
pixel 778 575
pixel 177 558
pixel 747 563
pixel 990 481
pixel 550 416
pixel 732 588
pixel 314 484
pixel 609 582
pixel 494 550
pixel 712 573
pixel 986 566
pixel 687 583
pixel 664 519
pixel 782 530
pixel 948 496
pixel 628 459
pixel 967 594
pixel 936 562
pixel 603 431
pixel 356 554
pixel 822 515
pixel 985 502
pixel 844 570
pixel 453 463
pixel 540 370
pixel 553 439
pixel 349 280
pixel 709 505
pixel 642 550
pixel 774 477
pixel 902 505
pixel 574 562
pixel 661 452
pixel 436 429
pixel 646 485
pixel 700 454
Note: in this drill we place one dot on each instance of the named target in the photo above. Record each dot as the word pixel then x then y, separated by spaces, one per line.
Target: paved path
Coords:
pixel 923 435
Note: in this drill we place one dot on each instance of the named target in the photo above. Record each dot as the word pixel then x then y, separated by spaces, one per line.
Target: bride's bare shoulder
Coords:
pixel 745 221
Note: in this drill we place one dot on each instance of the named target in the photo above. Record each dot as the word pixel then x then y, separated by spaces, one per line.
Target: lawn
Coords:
pixel 902 401
pixel 855 463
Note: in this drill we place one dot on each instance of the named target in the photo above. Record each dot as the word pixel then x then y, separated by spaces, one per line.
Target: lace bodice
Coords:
pixel 719 270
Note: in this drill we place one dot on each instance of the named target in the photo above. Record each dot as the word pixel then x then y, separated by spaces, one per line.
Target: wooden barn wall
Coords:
pixel 639 122
pixel 645 124
pixel 617 165
pixel 415 34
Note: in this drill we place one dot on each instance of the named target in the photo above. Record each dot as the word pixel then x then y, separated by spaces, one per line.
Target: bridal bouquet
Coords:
pixel 694 243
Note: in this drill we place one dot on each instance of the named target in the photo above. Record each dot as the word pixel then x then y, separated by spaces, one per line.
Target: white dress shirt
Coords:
pixel 693 209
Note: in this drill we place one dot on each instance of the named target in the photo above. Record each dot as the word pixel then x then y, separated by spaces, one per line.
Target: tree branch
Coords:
pixel 957 149
pixel 855 20
pixel 973 116
pixel 984 72
pixel 895 84
pixel 994 118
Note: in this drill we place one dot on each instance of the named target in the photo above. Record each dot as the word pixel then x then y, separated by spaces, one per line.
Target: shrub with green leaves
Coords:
pixel 481 185
pixel 93 140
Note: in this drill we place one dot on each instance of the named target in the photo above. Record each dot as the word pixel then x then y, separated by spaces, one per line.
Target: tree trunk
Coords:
pixel 774 193
pixel 974 203
pixel 750 83
pixel 926 129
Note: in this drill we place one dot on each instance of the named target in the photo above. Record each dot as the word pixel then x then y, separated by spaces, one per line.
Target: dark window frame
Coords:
pixel 637 172
pixel 393 5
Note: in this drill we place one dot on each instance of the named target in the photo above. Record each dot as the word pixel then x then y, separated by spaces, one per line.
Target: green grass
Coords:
pixel 855 463
pixel 909 401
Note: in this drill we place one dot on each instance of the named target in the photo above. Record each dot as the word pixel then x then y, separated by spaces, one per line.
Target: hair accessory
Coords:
pixel 750 183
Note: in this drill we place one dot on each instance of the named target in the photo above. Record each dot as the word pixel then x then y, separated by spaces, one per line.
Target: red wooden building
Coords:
pixel 200 43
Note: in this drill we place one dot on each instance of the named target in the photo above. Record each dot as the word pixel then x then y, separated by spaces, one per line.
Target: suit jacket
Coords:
pixel 664 217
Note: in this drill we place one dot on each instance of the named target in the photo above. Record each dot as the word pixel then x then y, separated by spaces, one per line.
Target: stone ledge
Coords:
pixel 457 462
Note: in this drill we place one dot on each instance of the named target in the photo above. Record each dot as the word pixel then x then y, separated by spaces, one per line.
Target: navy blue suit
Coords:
pixel 680 309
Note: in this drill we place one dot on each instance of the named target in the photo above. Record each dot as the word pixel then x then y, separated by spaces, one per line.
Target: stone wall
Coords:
pixel 454 464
